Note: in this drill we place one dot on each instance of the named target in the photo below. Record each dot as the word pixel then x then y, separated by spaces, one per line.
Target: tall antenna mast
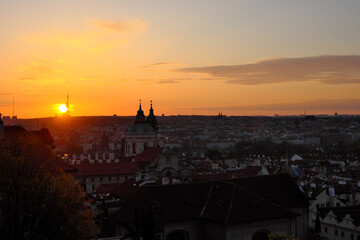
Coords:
pixel 67 100
pixel 67 103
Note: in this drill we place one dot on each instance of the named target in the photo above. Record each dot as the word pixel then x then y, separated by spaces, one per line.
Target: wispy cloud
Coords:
pixel 159 64
pixel 324 69
pixel 90 78
pixel 6 93
pixel 133 25
pixel 167 81
pixel 97 37
pixel 41 72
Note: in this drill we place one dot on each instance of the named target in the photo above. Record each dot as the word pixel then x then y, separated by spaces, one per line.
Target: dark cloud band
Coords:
pixel 324 69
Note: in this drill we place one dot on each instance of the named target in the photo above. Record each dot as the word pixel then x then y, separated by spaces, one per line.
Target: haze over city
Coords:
pixel 189 57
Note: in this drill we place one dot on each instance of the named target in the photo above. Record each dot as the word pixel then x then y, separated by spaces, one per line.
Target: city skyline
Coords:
pixel 203 57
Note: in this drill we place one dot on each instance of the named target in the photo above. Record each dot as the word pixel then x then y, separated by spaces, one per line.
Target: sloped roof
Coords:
pixel 148 156
pixel 280 189
pixel 43 136
pixel 230 203
pixel 168 202
pixel 216 201
pixel 296 158
pixel 123 189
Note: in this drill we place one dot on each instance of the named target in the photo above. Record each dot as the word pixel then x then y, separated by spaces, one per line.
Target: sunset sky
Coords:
pixel 241 57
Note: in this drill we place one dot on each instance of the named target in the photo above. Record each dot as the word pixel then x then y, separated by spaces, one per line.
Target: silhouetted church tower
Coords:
pixel 151 119
pixel 142 134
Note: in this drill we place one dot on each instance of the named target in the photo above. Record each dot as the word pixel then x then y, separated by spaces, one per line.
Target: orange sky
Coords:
pixel 239 58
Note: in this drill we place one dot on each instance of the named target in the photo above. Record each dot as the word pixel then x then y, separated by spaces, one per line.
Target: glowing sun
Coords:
pixel 62 108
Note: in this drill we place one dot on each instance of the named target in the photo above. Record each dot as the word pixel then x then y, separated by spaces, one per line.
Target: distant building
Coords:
pixel 339 223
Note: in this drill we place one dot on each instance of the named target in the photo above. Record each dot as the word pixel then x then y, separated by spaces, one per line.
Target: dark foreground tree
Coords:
pixel 37 199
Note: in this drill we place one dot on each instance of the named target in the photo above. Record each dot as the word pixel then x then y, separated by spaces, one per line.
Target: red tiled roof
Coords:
pixel 147 157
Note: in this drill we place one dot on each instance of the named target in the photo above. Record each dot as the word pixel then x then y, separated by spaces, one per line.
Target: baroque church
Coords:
pixel 142 134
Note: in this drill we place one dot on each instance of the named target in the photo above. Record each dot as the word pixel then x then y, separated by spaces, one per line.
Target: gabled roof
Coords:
pixel 341 212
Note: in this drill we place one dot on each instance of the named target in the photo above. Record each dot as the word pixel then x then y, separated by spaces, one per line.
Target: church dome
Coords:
pixel 140 129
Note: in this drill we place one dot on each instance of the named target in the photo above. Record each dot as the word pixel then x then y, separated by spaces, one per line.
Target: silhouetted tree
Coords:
pixel 39 200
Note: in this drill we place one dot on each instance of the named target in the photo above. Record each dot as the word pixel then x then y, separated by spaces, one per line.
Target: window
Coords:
pixel 342 233
pixel 358 237
pixel 325 229
pixel 145 146
pixel 335 232
pixel 134 148
pixel 109 178
pixel 352 236
pixel 101 179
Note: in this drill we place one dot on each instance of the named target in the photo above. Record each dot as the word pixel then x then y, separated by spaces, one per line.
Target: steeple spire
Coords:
pixel 151 119
pixel 140 117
